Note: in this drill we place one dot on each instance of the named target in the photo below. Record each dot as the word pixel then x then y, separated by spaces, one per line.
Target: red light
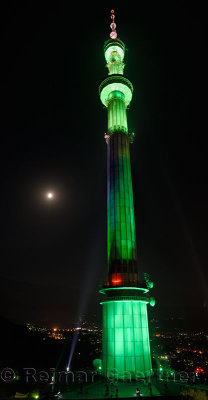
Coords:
pixel 116 280
pixel 199 370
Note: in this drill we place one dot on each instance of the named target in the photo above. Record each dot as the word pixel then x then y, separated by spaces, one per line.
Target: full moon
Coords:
pixel 50 195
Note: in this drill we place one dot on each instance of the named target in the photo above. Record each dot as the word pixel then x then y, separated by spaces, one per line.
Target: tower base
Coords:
pixel 126 348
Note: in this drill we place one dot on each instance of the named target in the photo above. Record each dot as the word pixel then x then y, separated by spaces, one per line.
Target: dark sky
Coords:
pixel 53 254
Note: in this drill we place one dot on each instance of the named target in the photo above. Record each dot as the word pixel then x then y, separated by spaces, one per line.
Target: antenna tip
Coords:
pixel 113 34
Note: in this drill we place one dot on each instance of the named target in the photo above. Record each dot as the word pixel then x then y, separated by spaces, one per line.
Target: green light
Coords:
pixel 97 364
pixel 126 338
pixel 117 120
pixel 124 288
pixel 114 51
pixel 121 236
pixel 124 301
pixel 119 87
pixel 152 301
pixel 111 49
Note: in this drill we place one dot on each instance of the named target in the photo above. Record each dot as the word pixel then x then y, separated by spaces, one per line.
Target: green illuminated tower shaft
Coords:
pixel 126 349
pixel 120 224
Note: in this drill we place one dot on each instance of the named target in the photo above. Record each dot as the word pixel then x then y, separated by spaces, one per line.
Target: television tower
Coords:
pixel 126 347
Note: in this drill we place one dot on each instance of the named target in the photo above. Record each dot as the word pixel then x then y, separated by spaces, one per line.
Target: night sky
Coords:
pixel 53 253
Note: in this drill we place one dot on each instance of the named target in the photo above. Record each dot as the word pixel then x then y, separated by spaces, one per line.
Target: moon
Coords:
pixel 50 195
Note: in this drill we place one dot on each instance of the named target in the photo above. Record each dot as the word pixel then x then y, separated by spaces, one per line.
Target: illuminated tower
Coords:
pixel 126 348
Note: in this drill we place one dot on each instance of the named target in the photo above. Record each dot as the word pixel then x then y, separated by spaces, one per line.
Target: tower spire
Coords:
pixel 113 34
